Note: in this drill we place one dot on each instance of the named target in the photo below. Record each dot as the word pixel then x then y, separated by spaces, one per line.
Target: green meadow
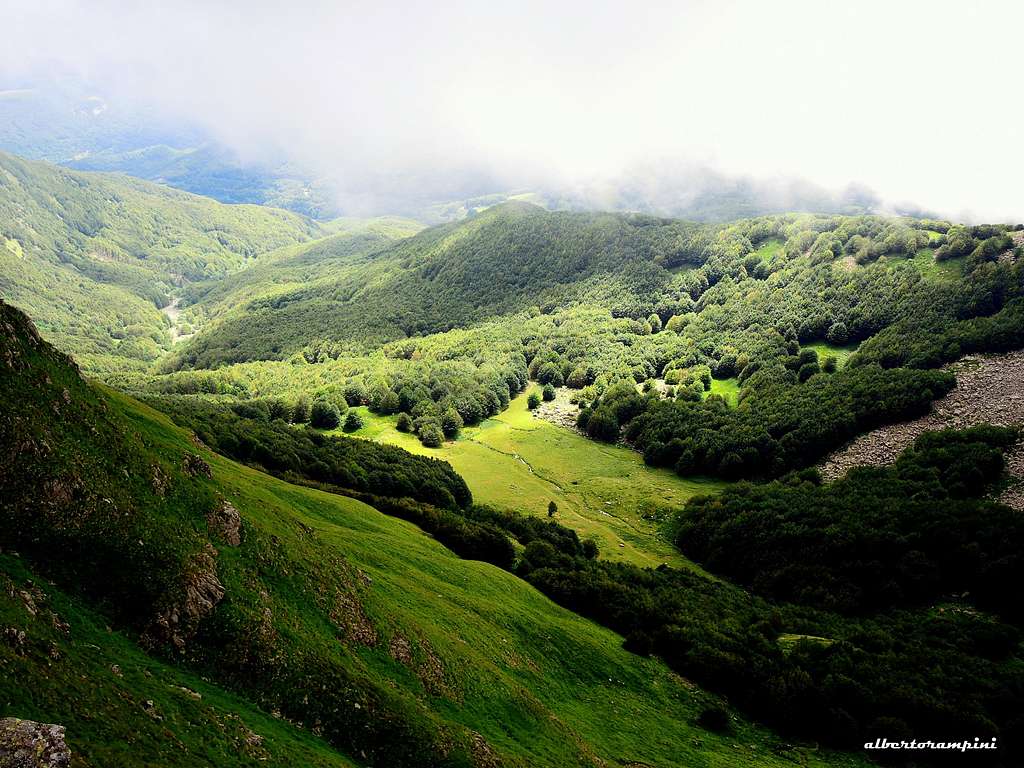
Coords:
pixel 824 349
pixel 727 389
pixel 517 461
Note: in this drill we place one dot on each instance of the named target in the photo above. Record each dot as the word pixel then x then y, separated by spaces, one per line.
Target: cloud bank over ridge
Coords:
pixel 401 101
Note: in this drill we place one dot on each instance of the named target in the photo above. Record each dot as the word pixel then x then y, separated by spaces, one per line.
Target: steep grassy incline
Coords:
pixel 360 633
pixel 93 256
pixel 505 259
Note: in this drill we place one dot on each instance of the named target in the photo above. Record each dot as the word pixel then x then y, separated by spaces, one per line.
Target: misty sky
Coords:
pixel 920 101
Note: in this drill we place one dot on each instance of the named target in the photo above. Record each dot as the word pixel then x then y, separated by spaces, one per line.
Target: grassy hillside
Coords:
pixel 355 627
pixel 93 256
pixel 351 244
pixel 121 706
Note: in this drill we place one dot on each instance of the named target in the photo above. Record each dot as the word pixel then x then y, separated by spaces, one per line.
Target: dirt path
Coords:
pixel 990 390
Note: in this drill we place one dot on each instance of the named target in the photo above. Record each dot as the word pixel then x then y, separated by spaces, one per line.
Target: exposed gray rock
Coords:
pixel 201 590
pixel 194 465
pixel 989 390
pixel 28 744
pixel 225 522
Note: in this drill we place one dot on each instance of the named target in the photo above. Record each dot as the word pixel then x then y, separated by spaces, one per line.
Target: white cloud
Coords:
pixel 918 100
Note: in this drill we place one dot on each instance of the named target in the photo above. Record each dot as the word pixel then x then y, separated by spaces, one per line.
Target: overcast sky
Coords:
pixel 920 101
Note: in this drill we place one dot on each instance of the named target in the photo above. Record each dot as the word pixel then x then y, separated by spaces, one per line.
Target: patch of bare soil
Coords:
pixel 990 390
pixel 562 412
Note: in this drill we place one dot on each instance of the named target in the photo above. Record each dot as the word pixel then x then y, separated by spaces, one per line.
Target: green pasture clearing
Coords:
pixel 948 270
pixel 728 389
pixel 516 461
pixel 767 250
pixel 824 349
pixel 789 640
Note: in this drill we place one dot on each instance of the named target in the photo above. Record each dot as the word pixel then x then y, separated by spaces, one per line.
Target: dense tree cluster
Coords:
pixel 880 537
pixel 247 433
pixel 789 420
pixel 505 260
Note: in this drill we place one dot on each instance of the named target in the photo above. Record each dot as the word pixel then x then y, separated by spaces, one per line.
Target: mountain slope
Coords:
pixel 93 256
pixel 351 625
pixel 70 124
pixel 506 259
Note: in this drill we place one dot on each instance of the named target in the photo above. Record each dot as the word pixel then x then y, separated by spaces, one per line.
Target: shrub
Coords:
pixel 807 370
pixel 550 374
pixel 355 393
pixel 431 434
pixel 602 425
pixel 404 423
pixel 837 334
pixel 578 378
pixel 353 422
pixel 451 423
pixel 324 415
pixel 533 401
pixel 300 411
pixel 548 393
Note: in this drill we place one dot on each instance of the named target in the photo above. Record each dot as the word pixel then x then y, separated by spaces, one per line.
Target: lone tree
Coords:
pixel 451 423
pixel 324 415
pixel 552 508
pixel 353 422
pixel 300 411
pixel 431 435
pixel 404 423
pixel 355 392
pixel 548 393
pixel 533 401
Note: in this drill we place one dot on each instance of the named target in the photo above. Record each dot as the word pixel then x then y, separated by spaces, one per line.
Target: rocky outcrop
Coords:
pixel 225 523
pixel 559 411
pixel 201 591
pixel 194 466
pixel 483 753
pixel 989 390
pixel 348 615
pixel 28 744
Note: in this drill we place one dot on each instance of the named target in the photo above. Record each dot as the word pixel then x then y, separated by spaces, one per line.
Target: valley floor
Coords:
pixel 517 461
